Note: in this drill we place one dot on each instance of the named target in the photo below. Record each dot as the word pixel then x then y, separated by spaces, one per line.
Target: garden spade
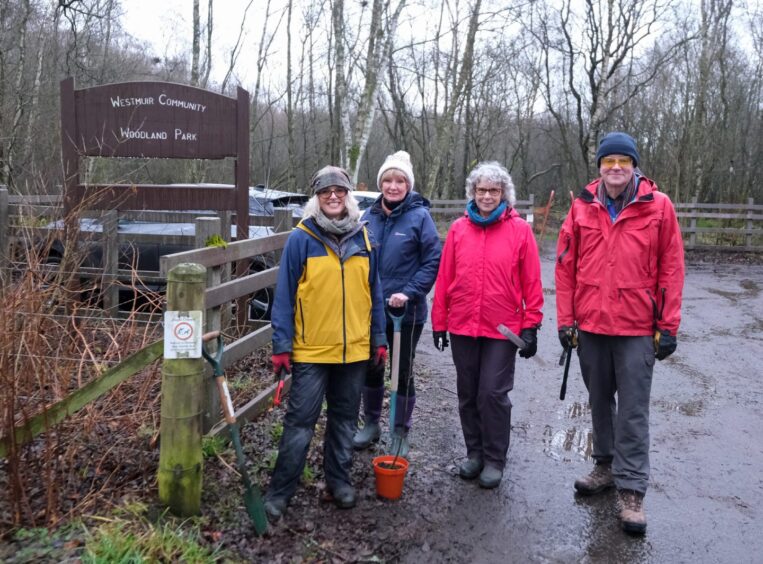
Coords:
pixel 252 498
pixel 396 314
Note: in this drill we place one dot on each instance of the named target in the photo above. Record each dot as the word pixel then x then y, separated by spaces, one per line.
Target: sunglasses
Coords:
pixel 338 192
pixel 622 162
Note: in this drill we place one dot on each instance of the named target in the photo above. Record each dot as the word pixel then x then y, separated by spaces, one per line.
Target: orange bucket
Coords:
pixel 389 479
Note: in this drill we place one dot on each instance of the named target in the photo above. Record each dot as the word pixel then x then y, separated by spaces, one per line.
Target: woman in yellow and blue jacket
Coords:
pixel 328 315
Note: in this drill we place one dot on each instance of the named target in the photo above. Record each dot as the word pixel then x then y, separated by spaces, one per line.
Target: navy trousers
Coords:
pixel 341 385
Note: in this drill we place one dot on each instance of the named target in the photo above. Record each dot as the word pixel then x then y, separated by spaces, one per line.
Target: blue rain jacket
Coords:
pixel 409 251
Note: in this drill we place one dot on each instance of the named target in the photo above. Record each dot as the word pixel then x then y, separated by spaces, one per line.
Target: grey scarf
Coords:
pixel 338 226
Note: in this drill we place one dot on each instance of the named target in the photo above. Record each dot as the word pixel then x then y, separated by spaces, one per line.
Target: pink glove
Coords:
pixel 380 357
pixel 281 360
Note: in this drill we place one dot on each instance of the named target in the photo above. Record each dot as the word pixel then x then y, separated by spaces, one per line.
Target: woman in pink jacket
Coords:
pixel 489 275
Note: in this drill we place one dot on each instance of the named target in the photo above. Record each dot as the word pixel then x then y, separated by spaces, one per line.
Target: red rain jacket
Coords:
pixel 488 275
pixel 621 278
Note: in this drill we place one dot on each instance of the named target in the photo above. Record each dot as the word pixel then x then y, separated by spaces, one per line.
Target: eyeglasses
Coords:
pixel 622 162
pixel 495 192
pixel 338 192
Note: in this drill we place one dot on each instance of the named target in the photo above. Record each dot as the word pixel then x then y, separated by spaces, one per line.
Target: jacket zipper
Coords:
pixel 302 316
pixel 344 318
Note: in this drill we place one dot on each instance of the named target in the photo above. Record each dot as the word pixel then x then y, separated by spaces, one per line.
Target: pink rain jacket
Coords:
pixel 488 275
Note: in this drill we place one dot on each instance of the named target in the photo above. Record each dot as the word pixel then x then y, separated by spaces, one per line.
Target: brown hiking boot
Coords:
pixel 632 516
pixel 597 481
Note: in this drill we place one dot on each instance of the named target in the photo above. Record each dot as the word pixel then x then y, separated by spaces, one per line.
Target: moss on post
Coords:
pixel 180 457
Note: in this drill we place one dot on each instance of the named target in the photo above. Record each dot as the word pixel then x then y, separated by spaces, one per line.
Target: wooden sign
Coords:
pixel 154 119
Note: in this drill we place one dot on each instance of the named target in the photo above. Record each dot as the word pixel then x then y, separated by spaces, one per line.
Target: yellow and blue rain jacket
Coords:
pixel 328 306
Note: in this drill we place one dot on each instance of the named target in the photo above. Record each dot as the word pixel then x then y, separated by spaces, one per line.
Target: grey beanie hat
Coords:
pixel 617 143
pixel 331 176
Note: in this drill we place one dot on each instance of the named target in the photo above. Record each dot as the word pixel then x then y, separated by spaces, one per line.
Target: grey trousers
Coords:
pixel 484 376
pixel 622 367
pixel 341 384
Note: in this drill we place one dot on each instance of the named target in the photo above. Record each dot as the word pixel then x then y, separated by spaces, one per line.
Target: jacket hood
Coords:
pixel 411 200
pixel 646 187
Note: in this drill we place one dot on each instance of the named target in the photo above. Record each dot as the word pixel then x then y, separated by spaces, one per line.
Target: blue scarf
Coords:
pixel 474 213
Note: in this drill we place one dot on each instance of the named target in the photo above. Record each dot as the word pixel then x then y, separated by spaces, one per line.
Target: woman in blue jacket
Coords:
pixel 328 315
pixel 409 254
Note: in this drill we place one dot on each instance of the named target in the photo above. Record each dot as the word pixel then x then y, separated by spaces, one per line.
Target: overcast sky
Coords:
pixel 167 25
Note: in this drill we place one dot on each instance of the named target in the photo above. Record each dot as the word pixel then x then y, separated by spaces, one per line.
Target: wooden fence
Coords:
pixel 217 297
pixel 34 221
pixel 221 292
pixel 722 227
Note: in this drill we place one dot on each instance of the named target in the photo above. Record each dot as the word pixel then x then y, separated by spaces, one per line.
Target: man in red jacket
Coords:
pixel 619 279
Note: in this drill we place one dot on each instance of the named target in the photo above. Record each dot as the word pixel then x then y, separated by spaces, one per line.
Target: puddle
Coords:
pixel 577 409
pixel 576 441
pixel 691 408
pixel 750 286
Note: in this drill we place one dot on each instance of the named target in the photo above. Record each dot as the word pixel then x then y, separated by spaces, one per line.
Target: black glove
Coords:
pixel 530 337
pixel 664 344
pixel 568 337
pixel 441 341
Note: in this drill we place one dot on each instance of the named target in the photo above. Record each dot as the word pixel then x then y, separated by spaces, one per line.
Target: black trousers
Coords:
pixel 409 339
pixel 485 376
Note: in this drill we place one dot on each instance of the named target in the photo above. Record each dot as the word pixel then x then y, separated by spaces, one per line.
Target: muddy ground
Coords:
pixel 705 497
pixel 706 494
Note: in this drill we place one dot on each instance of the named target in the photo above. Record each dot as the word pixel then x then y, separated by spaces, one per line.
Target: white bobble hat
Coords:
pixel 401 161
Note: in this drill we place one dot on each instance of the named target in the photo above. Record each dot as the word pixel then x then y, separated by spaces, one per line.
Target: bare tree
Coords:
pixel 444 135
pixel 600 72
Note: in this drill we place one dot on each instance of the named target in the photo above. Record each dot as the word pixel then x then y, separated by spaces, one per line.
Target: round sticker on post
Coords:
pixel 182 334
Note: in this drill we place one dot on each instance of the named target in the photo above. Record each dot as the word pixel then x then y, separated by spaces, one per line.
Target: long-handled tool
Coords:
pixel 567 352
pixel 252 498
pixel 396 314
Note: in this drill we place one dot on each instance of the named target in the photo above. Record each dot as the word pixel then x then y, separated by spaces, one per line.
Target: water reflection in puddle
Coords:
pixel 561 444
pixel 573 440
pixel 577 409
pixel 690 408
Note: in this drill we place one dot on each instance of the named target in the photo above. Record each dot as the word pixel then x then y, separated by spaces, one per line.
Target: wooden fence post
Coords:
pixel 748 223
pixel 109 288
pixel 693 224
pixel 282 221
pixel 206 227
pixel 5 232
pixel 180 456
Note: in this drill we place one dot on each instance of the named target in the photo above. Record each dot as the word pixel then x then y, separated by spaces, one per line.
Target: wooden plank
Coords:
pixel 683 206
pixel 736 230
pixel 215 256
pixel 229 291
pixel 253 407
pixel 35 210
pixel 462 203
pixel 727 248
pixel 86 394
pixel 246 345
pixel 697 215
pixel 49 199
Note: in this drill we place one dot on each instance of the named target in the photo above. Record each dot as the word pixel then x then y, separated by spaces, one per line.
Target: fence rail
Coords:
pixel 715 227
